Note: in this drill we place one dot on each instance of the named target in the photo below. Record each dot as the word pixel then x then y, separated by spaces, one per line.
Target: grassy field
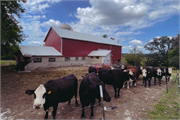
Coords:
pixel 168 106
pixel 11 62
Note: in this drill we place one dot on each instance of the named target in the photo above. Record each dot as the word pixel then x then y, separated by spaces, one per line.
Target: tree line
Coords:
pixel 164 51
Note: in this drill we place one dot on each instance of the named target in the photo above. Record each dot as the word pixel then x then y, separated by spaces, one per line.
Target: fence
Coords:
pixel 177 78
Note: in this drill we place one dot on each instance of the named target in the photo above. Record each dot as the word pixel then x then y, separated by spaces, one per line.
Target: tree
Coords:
pixel 160 47
pixel 173 57
pixel 135 57
pixel 11 31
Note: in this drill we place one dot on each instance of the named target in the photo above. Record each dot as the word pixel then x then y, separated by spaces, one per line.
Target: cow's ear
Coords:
pixel 49 91
pixel 29 92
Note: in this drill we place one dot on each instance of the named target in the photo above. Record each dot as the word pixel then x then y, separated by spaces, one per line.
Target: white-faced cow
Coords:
pixel 147 74
pixel 54 92
pixel 89 91
pixel 157 73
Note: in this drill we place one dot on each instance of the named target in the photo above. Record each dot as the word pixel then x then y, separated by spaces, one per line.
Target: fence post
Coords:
pixel 166 80
pixel 101 94
pixel 178 82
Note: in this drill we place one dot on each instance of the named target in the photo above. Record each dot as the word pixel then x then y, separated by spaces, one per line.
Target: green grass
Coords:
pixel 168 106
pixel 11 62
pixel 3 62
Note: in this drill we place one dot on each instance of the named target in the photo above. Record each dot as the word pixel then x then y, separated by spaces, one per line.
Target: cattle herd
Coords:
pixel 63 89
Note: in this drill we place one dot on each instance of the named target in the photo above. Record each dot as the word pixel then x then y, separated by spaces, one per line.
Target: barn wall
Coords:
pixel 73 48
pixel 94 60
pixel 53 40
pixel 60 61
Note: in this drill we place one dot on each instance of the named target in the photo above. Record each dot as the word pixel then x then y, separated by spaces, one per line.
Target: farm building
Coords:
pixel 74 48
pixel 74 44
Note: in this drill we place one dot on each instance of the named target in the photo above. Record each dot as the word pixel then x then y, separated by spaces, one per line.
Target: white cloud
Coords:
pixel 151 40
pixel 35 42
pixel 128 33
pixel 135 42
pixel 35 6
pixel 44 16
pixel 132 14
pixel 139 47
pixel 50 23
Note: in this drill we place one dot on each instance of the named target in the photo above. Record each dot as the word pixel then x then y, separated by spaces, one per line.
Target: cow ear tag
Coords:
pixel 49 92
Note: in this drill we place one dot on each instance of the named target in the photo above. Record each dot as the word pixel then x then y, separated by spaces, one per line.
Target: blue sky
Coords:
pixel 132 22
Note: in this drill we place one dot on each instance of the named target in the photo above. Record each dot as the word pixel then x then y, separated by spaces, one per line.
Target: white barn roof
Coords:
pixel 84 37
pixel 99 53
pixel 39 50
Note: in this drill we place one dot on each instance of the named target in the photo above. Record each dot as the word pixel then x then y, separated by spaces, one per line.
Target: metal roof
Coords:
pixel 39 50
pixel 99 53
pixel 63 33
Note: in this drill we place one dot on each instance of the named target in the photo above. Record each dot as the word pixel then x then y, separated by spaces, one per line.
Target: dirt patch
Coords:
pixel 15 104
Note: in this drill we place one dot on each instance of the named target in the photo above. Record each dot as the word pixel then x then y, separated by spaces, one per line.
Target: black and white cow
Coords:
pixel 54 92
pixel 114 77
pixel 166 72
pixel 147 74
pixel 157 73
pixel 89 91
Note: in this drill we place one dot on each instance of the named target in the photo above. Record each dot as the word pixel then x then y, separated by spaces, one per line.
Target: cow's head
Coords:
pixel 131 76
pixel 39 96
pixel 144 72
pixel 106 96
pixel 122 66
pixel 159 72
pixel 141 68
pixel 170 70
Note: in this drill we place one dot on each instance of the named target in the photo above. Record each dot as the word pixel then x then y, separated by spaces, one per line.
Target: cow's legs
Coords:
pixel 127 84
pixel 99 101
pixel 54 110
pixel 118 92
pixel 144 80
pixel 115 91
pixel 46 115
pixel 154 80
pixel 159 81
pixel 69 101
pixel 149 82
pixel 76 99
pixel 92 113
pixel 82 115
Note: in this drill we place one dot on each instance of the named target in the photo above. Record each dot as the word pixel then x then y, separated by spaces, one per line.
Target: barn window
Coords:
pixel 52 59
pixel 83 58
pixel 113 61
pixel 91 57
pixel 51 32
pixel 67 58
pixel 118 61
pixel 76 58
pixel 37 60
pixel 97 57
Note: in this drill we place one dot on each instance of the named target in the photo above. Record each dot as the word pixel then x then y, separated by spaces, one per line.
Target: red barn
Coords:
pixel 74 44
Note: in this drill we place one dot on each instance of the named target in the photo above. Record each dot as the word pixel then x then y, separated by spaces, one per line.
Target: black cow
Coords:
pixel 157 73
pixel 115 77
pixel 54 92
pixel 147 74
pixel 92 69
pixel 89 91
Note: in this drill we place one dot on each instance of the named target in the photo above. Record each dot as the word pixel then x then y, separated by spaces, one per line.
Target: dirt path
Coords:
pixel 15 104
